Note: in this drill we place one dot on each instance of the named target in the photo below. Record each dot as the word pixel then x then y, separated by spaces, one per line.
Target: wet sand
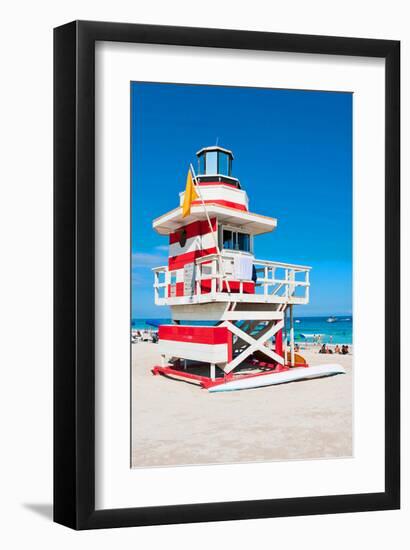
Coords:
pixel 177 423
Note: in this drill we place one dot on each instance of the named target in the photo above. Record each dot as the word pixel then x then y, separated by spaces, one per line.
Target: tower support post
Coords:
pixel 292 337
pixel 279 342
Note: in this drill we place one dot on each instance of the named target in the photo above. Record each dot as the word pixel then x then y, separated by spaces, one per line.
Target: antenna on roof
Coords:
pixel 217 139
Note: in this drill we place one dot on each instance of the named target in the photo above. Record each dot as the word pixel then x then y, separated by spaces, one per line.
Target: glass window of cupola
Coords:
pixel 224 163
pixel 201 164
pixel 215 161
pixel 211 163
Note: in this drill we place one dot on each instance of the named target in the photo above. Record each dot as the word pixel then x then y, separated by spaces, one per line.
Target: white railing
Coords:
pixel 282 280
pixel 208 268
pixel 276 282
pixel 161 286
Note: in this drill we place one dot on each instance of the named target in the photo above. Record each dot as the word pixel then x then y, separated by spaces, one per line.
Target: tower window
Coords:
pixel 227 240
pixel 236 240
pixel 244 242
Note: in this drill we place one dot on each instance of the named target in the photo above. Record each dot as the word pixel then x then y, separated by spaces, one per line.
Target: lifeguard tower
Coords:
pixel 228 308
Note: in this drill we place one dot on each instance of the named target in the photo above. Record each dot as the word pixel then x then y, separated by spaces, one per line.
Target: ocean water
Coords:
pixel 338 332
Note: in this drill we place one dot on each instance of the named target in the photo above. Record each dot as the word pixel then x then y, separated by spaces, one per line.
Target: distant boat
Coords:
pixel 347 319
pixel 332 320
pixel 297 320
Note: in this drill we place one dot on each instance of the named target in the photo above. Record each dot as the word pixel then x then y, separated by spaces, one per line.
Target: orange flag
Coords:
pixel 190 195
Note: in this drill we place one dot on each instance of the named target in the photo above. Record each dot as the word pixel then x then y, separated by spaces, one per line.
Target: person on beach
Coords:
pixel 345 349
pixel 337 348
pixel 323 349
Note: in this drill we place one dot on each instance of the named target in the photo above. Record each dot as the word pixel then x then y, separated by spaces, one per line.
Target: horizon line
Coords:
pixel 296 316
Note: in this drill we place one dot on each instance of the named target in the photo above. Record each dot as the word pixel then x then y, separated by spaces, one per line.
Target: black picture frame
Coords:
pixel 74 274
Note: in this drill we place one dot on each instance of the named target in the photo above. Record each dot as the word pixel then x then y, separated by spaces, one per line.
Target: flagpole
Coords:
pixel 197 188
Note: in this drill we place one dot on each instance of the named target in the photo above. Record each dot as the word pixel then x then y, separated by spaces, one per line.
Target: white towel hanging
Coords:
pixel 243 267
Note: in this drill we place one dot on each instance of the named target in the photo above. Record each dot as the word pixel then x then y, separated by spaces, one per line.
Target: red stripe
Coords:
pixel 230 354
pixel 279 343
pixel 177 262
pixel 193 229
pixel 228 204
pixel 172 372
pixel 179 290
pixel 194 334
pixel 248 287
pixel 203 183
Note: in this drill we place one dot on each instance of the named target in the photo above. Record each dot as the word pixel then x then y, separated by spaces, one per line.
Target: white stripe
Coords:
pixel 221 193
pixel 193 243
pixel 209 353
pixel 179 275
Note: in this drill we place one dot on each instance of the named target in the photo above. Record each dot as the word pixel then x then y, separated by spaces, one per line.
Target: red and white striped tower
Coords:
pixel 227 307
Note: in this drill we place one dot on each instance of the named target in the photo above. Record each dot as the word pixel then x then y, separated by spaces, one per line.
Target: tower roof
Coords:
pixel 254 223
pixel 214 148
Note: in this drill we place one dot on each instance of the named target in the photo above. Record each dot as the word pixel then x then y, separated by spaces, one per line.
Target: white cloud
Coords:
pixel 148 260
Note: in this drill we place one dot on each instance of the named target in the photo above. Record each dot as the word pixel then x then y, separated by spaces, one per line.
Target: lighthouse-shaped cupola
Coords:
pixel 216 162
pixel 214 176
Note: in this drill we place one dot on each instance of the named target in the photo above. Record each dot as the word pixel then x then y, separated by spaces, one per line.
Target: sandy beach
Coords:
pixel 177 423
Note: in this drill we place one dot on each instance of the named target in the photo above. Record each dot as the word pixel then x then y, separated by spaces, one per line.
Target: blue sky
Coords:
pixel 293 156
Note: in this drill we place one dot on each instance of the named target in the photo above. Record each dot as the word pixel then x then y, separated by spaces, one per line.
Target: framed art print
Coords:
pixel 226 275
